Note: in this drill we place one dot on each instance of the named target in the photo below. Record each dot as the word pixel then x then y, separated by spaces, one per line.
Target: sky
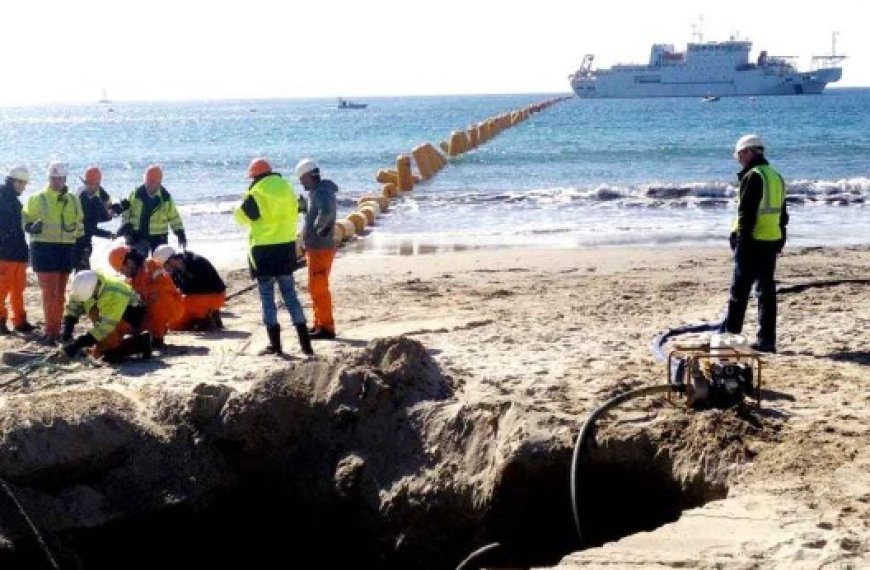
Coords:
pixel 180 49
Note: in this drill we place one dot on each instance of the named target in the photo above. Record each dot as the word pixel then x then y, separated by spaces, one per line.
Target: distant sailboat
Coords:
pixel 105 97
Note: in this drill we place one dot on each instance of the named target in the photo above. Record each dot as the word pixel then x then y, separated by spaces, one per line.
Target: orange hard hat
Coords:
pixel 117 257
pixel 154 175
pixel 259 167
pixel 93 175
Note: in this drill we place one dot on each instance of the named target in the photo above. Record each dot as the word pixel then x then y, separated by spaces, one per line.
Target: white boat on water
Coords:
pixel 706 69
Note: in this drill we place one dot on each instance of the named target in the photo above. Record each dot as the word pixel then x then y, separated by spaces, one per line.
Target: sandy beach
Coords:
pixel 538 338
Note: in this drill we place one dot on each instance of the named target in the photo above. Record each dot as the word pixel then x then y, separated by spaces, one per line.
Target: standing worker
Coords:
pixel 318 236
pixel 154 286
pixel 54 220
pixel 13 251
pixel 151 215
pixel 117 313
pixel 757 236
pixel 204 291
pixel 97 208
pixel 269 211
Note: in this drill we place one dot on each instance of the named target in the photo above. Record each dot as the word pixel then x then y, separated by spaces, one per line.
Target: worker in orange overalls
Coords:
pixel 163 301
pixel 204 291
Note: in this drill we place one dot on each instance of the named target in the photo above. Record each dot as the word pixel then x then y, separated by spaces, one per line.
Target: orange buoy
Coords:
pixel 348 229
pixel 435 157
pixel 386 176
pixel 382 201
pixel 390 190
pixel 339 232
pixel 473 136
pixel 370 211
pixel 359 222
pixel 458 143
pixel 424 165
pixel 405 181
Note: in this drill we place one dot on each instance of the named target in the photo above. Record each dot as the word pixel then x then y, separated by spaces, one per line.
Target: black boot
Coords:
pixel 25 328
pixel 304 339
pixel 4 330
pixel 274 347
pixel 133 345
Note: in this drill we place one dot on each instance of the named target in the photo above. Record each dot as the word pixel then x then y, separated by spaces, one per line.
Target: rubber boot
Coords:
pixel 274 347
pixel 304 339
pixel 4 330
pixel 25 328
pixel 133 345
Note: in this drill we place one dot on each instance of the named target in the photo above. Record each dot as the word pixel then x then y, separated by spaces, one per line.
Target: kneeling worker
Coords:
pixel 204 291
pixel 116 311
pixel 149 280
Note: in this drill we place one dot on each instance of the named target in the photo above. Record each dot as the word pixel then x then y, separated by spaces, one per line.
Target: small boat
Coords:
pixel 105 98
pixel 710 99
pixel 345 104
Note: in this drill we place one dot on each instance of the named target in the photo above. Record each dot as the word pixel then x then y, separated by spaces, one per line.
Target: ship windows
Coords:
pixel 647 79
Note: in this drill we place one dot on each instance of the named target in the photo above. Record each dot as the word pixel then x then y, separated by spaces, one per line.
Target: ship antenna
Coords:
pixel 834 43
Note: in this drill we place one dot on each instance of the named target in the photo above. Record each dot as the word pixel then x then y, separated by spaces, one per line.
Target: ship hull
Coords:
pixel 671 83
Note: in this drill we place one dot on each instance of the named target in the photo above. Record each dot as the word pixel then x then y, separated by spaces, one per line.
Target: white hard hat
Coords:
pixel 19 172
pixel 747 141
pixel 58 170
pixel 163 253
pixel 83 286
pixel 305 166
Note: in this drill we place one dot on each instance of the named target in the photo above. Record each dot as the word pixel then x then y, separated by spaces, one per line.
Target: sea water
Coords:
pixel 646 172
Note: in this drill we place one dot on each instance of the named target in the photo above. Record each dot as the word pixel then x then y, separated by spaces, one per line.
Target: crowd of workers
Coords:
pixel 157 289
pixel 160 289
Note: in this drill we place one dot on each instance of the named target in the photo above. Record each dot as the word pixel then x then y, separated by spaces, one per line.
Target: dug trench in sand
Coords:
pixel 456 429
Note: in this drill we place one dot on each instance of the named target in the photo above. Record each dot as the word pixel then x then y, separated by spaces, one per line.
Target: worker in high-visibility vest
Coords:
pixel 148 278
pixel 151 214
pixel 116 312
pixel 54 220
pixel 757 236
pixel 270 210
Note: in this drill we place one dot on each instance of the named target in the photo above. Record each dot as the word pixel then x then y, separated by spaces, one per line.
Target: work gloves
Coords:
pixel 126 230
pixel 182 238
pixel 303 204
pixel 33 228
pixel 72 349
pixel 69 324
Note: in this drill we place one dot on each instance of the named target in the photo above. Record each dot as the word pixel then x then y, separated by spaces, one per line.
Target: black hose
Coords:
pixel 52 563
pixel 476 559
pixel 586 432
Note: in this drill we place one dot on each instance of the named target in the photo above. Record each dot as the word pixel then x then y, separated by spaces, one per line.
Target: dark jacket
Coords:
pixel 269 260
pixel 751 193
pixel 319 230
pixel 199 276
pixel 95 212
pixel 13 245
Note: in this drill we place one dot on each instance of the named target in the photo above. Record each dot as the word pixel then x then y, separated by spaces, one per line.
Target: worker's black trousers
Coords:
pixel 753 264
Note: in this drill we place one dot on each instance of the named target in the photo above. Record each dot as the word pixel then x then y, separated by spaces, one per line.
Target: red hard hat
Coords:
pixel 153 175
pixel 259 167
pixel 117 257
pixel 93 175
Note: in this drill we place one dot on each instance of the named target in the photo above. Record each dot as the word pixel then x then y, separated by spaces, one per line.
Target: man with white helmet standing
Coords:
pixel 757 235
pixel 117 313
pixel 318 237
pixel 13 251
pixel 54 220
pixel 269 210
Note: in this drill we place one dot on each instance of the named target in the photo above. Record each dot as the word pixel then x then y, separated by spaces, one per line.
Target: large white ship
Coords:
pixel 706 69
